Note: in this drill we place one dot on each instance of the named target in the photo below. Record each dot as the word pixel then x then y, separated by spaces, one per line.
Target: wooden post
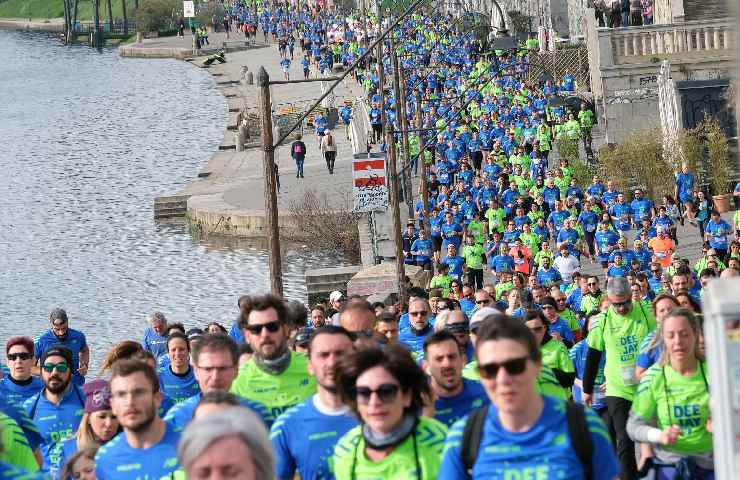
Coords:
pixel 399 84
pixel 393 186
pixel 422 160
pixel 74 16
pixel 110 18
pixel 67 21
pixel 268 162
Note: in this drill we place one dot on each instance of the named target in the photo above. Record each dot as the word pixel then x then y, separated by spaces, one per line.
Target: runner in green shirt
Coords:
pixel 495 216
pixel 671 409
pixel 14 447
pixel 274 376
pixel 441 279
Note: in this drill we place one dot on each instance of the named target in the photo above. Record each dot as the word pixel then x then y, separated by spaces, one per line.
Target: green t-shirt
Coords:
pixel 276 392
pixel 501 288
pixel 555 355
pixel 495 218
pixel 16 450
pixel 531 241
pixel 473 255
pixel 542 254
pixel 477 229
pixel 350 461
pixel 570 317
pixel 589 302
pixel 620 338
pixel 443 282
pixel 673 399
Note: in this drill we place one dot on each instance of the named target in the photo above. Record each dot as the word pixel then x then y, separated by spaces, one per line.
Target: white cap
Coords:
pixel 481 314
pixel 335 296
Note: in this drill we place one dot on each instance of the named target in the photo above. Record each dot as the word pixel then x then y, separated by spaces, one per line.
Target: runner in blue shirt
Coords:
pixel 578 356
pixel 74 340
pixel 418 327
pixel 57 409
pixel 155 336
pixel 18 384
pixel 455 396
pixel 177 380
pixel 304 437
pixel 716 232
pixel 548 275
pixel 523 433
pixel 147 447
pixel 453 261
pixel 422 250
pixel 215 364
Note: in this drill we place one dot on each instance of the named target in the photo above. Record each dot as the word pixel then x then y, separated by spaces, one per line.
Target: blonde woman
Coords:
pixel 98 425
pixel 81 466
pixel 329 149
pixel 671 408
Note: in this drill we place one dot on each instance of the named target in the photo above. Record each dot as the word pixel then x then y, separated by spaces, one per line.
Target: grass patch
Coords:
pixel 55 9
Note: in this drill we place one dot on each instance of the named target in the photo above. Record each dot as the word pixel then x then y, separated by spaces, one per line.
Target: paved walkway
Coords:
pixel 234 185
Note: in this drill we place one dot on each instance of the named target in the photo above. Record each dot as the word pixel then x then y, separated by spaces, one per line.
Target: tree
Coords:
pixel 155 15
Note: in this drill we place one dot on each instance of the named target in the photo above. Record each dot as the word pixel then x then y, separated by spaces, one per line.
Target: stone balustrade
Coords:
pixel 660 40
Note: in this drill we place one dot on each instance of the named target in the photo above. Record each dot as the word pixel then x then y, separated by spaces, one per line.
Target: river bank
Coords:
pixel 227 197
pixel 49 25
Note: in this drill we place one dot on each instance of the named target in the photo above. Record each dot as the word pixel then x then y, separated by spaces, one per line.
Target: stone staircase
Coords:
pixel 705 9
pixel 170 207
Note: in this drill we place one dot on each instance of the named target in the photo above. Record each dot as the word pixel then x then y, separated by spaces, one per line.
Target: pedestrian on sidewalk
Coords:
pixel 329 149
pixel 298 152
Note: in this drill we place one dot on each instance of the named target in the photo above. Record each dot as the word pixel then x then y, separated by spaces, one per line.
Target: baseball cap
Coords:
pixel 59 350
pixel 335 296
pixel 194 333
pixel 302 337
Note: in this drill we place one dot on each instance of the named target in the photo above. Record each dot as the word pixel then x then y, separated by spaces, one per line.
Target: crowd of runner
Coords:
pixel 509 364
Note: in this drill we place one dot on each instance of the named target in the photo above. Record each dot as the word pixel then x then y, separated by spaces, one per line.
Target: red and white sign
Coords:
pixel 368 182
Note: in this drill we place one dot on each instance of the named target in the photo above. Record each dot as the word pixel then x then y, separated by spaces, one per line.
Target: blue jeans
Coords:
pixel 670 473
pixel 299 167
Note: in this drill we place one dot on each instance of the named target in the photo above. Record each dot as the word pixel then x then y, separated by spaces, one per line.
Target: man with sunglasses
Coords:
pixel 503 436
pixel 74 340
pixel 18 385
pixel 592 296
pixel 304 437
pixel 456 323
pixel 618 333
pixel 419 327
pixel 454 395
pixel 275 376
pixel 57 409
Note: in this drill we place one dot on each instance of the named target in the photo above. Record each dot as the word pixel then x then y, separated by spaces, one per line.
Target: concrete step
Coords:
pixel 171 206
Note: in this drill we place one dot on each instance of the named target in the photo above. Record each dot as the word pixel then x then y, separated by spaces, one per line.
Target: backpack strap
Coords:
pixel 580 436
pixel 472 435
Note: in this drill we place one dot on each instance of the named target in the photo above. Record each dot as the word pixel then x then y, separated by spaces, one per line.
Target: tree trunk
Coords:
pixel 110 17
pixel 125 18
pixel 96 21
pixel 66 21
pixel 74 17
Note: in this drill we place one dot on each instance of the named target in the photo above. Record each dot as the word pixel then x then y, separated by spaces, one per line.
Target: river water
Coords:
pixel 87 140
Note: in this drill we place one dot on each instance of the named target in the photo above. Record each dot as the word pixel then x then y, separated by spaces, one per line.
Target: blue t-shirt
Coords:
pixel 178 387
pixel 544 452
pixel 180 415
pixel 561 327
pixel 55 422
pixel 718 232
pixel 303 439
pixel 578 355
pixel 455 263
pixel 236 333
pixel 448 410
pixel 548 277
pixel 648 356
pixel 74 340
pixel 63 451
pixel 19 393
pixel 414 340
pixel 117 460
pixel 154 343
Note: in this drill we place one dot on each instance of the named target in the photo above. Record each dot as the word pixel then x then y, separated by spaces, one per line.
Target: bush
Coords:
pixel 155 15
pixel 718 159
pixel 205 13
pixel 322 224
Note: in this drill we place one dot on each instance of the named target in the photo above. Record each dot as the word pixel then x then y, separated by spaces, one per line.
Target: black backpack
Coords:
pixel 580 436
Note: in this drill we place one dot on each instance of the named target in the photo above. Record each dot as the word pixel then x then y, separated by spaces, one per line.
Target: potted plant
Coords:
pixel 718 160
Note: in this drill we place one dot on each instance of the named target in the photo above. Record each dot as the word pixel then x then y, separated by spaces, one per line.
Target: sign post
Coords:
pixel 188 8
pixel 722 332
pixel 369 189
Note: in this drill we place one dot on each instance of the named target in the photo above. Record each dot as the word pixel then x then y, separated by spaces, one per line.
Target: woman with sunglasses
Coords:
pixel 554 353
pixel 19 385
pixel 386 391
pixel 97 427
pixel 652 346
pixel 671 409
pixel 520 421
pixel 456 290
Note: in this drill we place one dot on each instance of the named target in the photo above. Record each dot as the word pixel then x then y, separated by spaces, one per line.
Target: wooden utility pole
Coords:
pixel 398 79
pixel 393 186
pixel 268 162
pixel 422 161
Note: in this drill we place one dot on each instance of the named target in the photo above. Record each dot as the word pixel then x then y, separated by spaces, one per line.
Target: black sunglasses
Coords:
pixel 621 304
pixel 459 327
pixel 271 327
pixel 593 284
pixel 360 334
pixel 515 366
pixel 386 393
pixel 19 356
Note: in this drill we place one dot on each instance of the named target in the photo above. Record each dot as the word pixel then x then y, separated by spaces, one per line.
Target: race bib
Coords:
pixel 629 377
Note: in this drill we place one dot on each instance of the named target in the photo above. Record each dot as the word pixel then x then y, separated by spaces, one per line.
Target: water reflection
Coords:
pixel 88 140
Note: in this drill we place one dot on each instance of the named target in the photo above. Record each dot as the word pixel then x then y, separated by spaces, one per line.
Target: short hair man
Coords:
pixel 215 365
pixel 275 376
pixel 387 325
pixel 60 333
pixel 455 396
pixel 358 317
pixel 322 417
pixel 155 336
pixel 419 327
pixel 57 409
pixel 147 448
